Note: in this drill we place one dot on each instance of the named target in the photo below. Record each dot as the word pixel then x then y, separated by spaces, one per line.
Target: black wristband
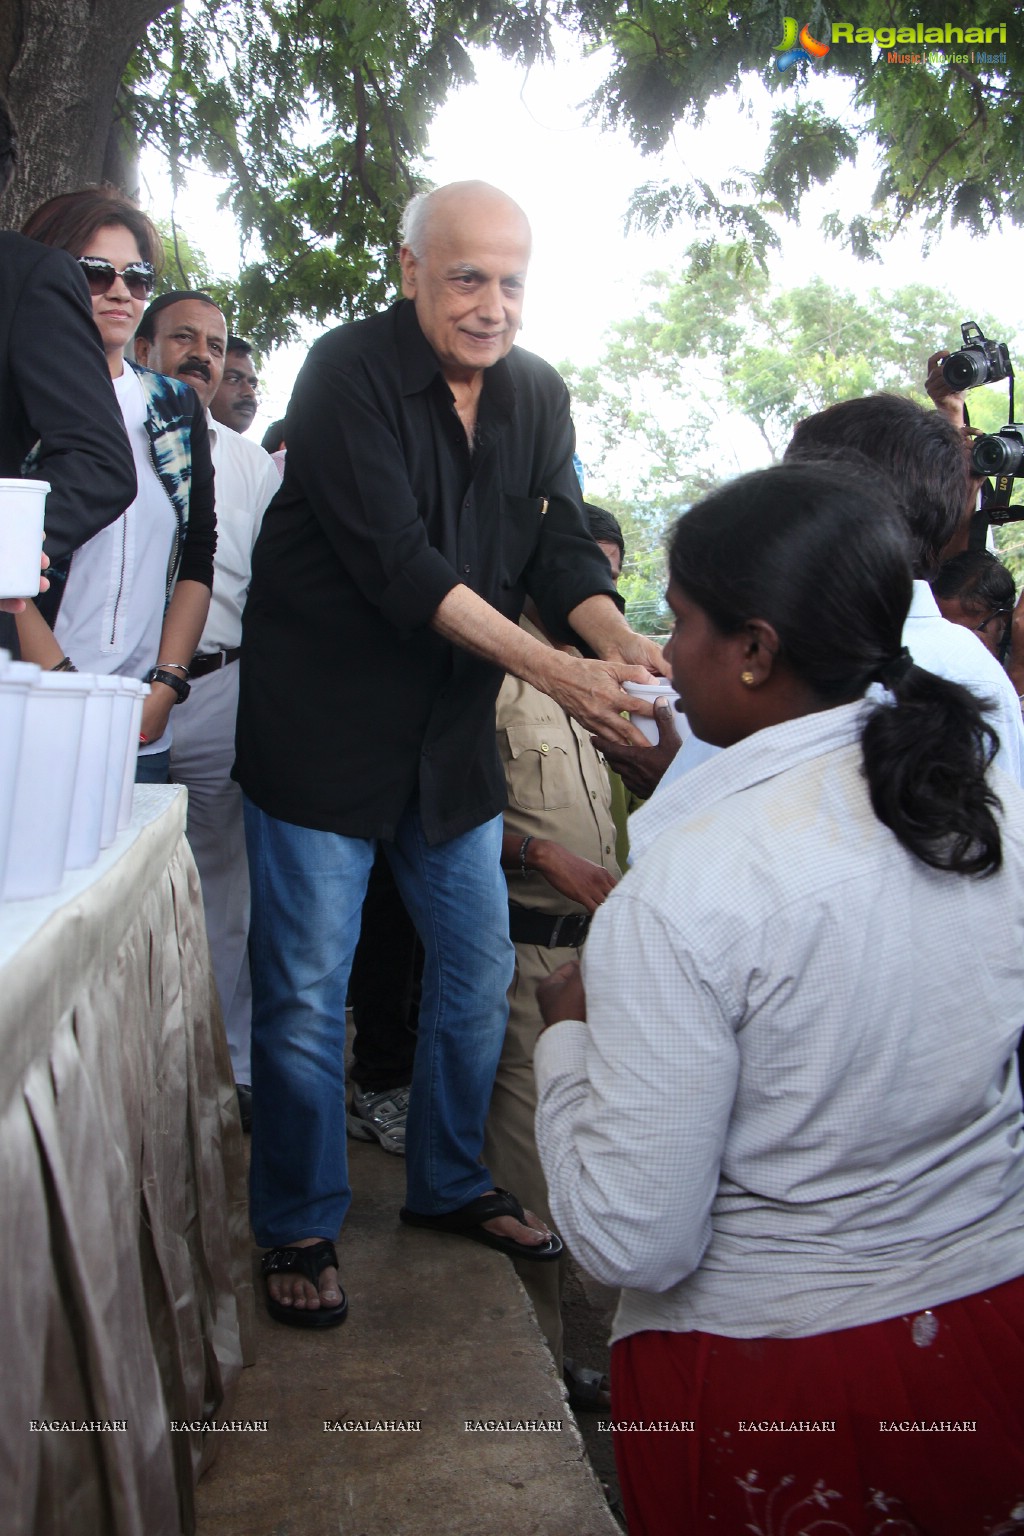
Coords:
pixel 181 688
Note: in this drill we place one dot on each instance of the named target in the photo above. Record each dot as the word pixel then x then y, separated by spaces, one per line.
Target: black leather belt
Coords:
pixel 200 665
pixel 552 930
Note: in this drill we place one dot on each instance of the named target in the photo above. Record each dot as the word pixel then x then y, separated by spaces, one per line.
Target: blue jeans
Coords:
pixel 154 768
pixel 307 896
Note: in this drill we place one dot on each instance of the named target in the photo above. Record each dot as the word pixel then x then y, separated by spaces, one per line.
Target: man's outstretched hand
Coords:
pixel 591 691
pixel 638 651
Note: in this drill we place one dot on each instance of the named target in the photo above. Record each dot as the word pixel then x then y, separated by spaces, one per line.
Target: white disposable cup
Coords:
pixel 15 685
pixel 117 746
pixel 22 506
pixel 47 767
pixel 137 692
pixel 87 800
pixel 651 691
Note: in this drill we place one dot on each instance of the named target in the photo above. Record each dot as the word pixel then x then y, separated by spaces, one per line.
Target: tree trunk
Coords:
pixel 61 63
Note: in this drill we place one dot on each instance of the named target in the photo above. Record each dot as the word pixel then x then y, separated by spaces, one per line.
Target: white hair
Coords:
pixel 416 217
pixel 413 225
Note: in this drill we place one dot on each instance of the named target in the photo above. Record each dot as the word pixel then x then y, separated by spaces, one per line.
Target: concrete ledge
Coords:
pixel 439 1331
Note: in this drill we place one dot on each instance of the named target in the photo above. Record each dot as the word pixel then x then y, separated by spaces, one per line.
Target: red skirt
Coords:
pixel 909 1427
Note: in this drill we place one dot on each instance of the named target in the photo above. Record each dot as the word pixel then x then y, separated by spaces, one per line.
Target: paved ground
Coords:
pixel 439 1333
pixel 587 1311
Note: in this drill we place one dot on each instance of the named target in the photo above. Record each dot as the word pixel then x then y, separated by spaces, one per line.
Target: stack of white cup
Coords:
pixel 68 747
pixel 68 740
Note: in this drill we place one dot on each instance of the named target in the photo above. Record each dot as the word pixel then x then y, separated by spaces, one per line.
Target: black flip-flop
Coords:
pixel 589 1391
pixel 309 1263
pixel 467 1222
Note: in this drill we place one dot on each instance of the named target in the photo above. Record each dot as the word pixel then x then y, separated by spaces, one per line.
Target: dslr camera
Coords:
pixel 979 361
pixel 1000 453
pixel 999 457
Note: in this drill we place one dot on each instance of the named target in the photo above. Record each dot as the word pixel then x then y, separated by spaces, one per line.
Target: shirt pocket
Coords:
pixel 520 534
pixel 539 768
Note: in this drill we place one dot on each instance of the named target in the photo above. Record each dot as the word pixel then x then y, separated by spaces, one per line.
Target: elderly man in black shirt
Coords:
pixel 428 488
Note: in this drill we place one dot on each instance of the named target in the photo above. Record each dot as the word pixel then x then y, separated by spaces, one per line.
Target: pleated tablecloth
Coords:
pixel 127 1297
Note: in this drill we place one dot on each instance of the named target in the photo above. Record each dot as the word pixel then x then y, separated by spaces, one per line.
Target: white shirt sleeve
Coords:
pixel 633 1106
pixel 1006 719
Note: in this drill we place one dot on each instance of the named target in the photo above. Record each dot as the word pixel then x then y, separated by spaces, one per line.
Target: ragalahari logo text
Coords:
pixel 797 43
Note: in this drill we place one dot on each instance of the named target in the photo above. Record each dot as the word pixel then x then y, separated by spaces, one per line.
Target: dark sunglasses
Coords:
pixel 138 276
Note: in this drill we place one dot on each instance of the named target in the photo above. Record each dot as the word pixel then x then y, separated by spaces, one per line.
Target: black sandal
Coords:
pixel 309 1263
pixel 589 1391
pixel 467 1222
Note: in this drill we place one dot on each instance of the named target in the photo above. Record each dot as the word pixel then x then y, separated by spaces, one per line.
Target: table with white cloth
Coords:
pixel 127 1296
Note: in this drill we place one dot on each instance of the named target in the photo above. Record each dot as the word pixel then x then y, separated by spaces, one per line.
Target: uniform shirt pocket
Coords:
pixel 540 767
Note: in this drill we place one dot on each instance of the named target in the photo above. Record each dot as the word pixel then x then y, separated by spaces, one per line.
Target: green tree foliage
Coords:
pixel 316 113
pixel 948 137
pixel 714 373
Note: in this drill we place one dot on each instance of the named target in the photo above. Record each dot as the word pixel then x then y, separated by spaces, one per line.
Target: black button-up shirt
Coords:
pixel 350 705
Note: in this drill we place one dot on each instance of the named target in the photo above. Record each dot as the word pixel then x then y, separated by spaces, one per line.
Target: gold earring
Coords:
pixel 747 678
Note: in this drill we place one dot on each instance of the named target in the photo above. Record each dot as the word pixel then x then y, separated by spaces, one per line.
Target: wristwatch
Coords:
pixel 158 675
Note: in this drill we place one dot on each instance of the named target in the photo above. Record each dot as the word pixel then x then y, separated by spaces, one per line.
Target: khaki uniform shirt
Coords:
pixel 557 786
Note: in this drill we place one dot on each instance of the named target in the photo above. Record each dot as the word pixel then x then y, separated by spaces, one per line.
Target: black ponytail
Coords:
pixel 819 551
pixel 925 759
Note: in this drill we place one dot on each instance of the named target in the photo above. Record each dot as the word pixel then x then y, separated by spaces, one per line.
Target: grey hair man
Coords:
pixel 428 490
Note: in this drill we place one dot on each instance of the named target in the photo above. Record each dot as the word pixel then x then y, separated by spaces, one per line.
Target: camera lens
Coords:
pixel 997 455
pixel 966 369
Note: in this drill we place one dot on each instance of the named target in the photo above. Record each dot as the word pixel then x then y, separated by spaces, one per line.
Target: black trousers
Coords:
pixel 384 987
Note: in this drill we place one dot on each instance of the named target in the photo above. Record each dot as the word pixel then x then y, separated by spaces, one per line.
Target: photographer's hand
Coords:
pixel 947 400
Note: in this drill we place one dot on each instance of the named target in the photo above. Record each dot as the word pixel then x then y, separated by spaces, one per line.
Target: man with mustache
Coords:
pixel 185 335
pixel 234 404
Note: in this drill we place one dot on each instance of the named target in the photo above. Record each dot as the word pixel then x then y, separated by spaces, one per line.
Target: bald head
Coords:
pixel 464 260
pixel 453 202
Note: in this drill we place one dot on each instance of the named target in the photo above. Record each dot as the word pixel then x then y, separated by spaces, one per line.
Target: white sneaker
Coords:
pixel 379 1115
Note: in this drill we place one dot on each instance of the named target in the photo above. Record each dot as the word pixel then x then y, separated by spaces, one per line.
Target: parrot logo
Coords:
pixel 797 44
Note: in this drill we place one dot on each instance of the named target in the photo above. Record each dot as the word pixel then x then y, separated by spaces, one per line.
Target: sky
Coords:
pixel 526 132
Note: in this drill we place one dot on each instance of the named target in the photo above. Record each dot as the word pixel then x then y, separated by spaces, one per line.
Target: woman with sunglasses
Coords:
pixel 135 596
pixel 780 1107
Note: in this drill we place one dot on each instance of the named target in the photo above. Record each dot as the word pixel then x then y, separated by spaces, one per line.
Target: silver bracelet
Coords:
pixel 522 855
pixel 179 666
